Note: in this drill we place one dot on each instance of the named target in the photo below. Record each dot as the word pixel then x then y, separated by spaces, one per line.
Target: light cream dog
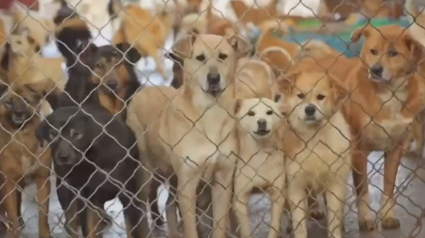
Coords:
pixel 194 137
pixel 316 145
pixel 261 163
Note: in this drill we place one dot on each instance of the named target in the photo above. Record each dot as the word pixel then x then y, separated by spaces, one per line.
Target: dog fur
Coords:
pixel 197 95
pixel 261 163
pixel 385 85
pixel 149 39
pixel 316 143
pixel 248 14
pixel 22 155
pixel 83 136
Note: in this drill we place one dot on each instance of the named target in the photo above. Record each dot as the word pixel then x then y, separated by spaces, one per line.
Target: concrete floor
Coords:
pixel 410 189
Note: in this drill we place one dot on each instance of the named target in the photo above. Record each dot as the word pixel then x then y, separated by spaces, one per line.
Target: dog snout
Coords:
pixel 377 70
pixel 62 156
pixel 310 110
pixel 113 84
pixel 262 124
pixel 213 78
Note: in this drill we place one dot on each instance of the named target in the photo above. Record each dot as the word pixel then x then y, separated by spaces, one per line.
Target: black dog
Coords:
pixel 95 156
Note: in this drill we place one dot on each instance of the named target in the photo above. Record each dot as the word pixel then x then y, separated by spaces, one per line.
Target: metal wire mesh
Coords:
pixel 192 118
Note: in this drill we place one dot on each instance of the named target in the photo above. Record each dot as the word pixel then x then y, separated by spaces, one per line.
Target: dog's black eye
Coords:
pixel 77 135
pixel 222 56
pixel 277 97
pixel 8 102
pixel 392 53
pixel 270 112
pixel 320 97
pixel 99 65
pixel 200 58
pixel 53 134
pixel 301 95
pixel 251 113
pixel 374 52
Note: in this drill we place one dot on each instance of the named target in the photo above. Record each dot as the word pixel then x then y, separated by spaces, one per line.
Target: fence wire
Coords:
pixel 199 118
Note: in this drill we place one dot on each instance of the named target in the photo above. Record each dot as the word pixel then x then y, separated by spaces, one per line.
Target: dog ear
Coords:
pixel 41 132
pixel 241 46
pixel 238 105
pixel 286 82
pixel 36 91
pixel 416 49
pixel 131 53
pixel 339 91
pixel 361 31
pixel 183 46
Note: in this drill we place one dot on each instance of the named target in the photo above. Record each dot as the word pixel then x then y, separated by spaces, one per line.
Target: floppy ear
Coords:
pixel 339 91
pixel 131 54
pixel 36 90
pixel 416 49
pixel 241 46
pixel 41 132
pixel 183 46
pixel 361 31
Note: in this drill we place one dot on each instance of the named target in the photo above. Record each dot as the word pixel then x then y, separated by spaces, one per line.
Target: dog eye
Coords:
pixel 301 95
pixel 99 65
pixel 270 112
pixel 251 113
pixel 53 134
pixel 320 97
pixel 200 58
pixel 222 56
pixel 374 52
pixel 8 102
pixel 78 135
pixel 393 53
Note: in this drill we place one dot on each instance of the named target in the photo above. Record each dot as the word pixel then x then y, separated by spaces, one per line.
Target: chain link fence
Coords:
pixel 193 118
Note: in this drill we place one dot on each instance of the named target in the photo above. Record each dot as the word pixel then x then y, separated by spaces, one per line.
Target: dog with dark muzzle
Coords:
pixel 96 156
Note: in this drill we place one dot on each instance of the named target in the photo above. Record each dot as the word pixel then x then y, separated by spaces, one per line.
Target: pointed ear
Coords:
pixel 183 46
pixel 339 91
pixel 361 31
pixel 241 46
pixel 131 53
pixel 286 82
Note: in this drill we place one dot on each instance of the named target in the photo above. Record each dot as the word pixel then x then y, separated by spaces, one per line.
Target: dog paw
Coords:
pixel 367 225
pixel 317 214
pixel 390 223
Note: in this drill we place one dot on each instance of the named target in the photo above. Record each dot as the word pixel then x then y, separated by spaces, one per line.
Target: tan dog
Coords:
pixel 249 14
pixel 209 64
pixel 385 86
pixel 261 163
pixel 316 143
pixel 147 32
pixel 22 156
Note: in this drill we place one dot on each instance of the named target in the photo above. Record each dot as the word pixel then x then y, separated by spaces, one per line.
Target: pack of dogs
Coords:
pixel 275 117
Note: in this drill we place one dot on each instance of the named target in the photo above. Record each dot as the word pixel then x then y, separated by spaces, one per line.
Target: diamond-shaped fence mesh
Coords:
pixel 212 118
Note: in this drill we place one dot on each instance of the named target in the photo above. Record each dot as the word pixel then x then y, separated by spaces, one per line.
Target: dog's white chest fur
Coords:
pixel 387 132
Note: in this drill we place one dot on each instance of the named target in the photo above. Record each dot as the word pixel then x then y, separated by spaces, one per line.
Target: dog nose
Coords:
pixel 112 84
pixel 63 156
pixel 213 78
pixel 377 71
pixel 310 110
pixel 262 124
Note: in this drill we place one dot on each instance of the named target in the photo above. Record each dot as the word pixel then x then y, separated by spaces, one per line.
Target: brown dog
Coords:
pixel 23 156
pixel 385 86
pixel 247 14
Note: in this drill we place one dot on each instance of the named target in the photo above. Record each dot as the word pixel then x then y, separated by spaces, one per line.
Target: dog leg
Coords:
pixel 336 197
pixel 204 210
pixel 153 200
pixel 366 217
pixel 11 205
pixel 240 204
pixel 222 194
pixel 171 213
pixel 43 196
pixel 418 134
pixel 298 199
pixel 391 164
pixel 278 201
pixel 94 221
pixel 314 206
pixel 187 184
pixel 69 205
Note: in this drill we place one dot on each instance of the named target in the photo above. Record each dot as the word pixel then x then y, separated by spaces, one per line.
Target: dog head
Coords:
pixel 20 104
pixel 70 133
pixel 110 66
pixel 390 52
pixel 24 44
pixel 210 60
pixel 310 98
pixel 258 116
